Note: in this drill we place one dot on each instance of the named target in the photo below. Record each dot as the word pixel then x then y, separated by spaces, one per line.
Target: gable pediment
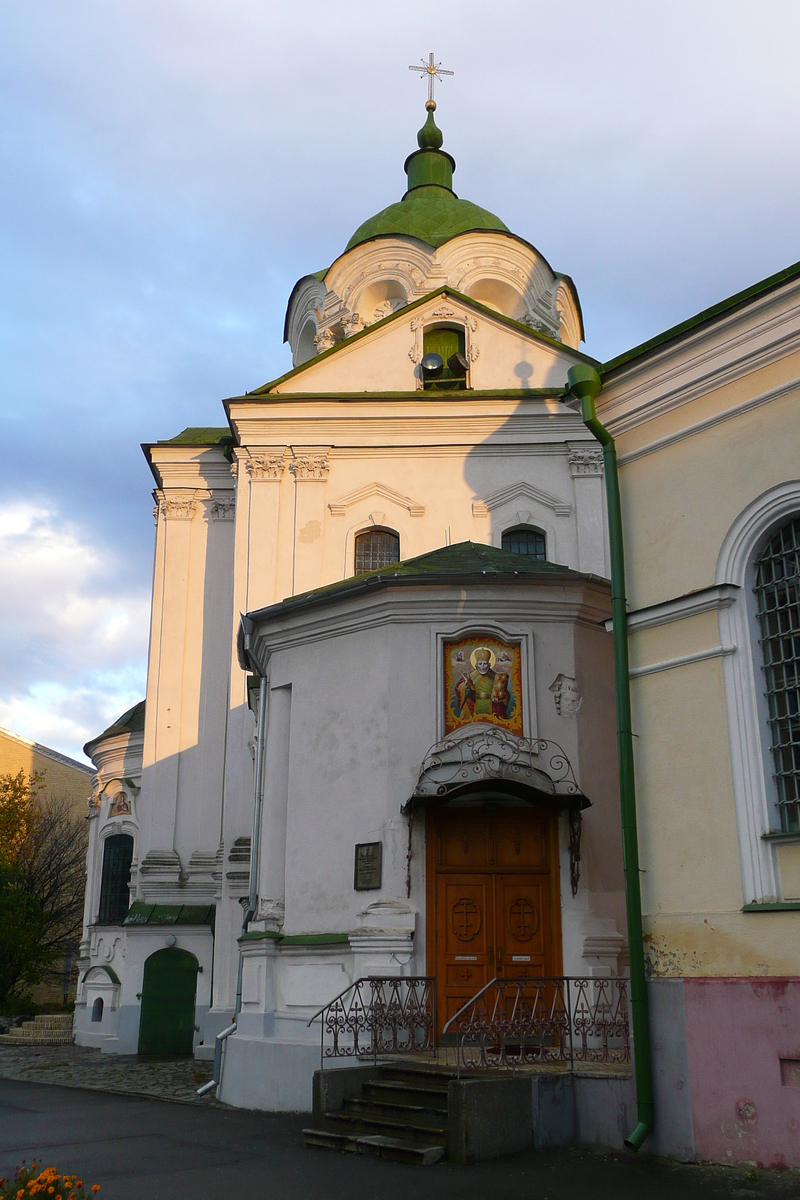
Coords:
pixel 339 507
pixel 503 354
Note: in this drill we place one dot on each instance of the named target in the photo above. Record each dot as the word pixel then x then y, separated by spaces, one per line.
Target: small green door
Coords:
pixel 168 993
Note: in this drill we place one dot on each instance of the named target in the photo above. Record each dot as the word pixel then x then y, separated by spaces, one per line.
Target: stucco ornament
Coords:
pixel 586 461
pixel 310 466
pixel 481 753
pixel 224 509
pixel 324 340
pixel 566 694
pixel 180 508
pixel 266 466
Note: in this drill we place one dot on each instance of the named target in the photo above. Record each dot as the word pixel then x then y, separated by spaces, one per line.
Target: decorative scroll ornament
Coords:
pixel 586 462
pixel 481 753
pixel 223 509
pixel 310 466
pixel 266 466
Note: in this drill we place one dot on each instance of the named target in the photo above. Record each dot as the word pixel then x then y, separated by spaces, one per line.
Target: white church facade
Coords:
pixel 392 564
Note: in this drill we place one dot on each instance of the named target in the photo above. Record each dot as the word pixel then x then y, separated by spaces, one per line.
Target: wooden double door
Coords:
pixel 493 900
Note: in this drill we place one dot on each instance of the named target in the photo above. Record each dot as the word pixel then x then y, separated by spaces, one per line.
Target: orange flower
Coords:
pixel 95 1187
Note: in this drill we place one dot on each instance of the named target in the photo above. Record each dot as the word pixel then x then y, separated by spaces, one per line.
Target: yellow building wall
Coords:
pixel 679 503
pixel 60 780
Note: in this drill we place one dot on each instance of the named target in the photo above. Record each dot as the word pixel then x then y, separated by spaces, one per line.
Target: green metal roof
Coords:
pixel 193 435
pixel 737 300
pixel 466 561
pixel 131 721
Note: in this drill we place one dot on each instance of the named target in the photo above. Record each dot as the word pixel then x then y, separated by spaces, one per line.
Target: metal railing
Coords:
pixel 379 1016
pixel 513 1023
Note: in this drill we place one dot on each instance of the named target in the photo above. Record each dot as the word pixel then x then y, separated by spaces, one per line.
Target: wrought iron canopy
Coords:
pixel 482 757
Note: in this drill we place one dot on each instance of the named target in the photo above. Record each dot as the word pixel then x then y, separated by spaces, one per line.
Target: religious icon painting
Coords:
pixel 483 682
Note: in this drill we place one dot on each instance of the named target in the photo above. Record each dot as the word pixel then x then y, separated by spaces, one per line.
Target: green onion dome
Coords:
pixel 430 209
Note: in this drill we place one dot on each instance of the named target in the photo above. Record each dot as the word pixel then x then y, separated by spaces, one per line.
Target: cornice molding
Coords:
pixel 683 660
pixel 710 599
pixel 704 361
pixel 709 422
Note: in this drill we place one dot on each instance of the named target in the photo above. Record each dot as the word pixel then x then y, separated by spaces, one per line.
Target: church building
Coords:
pixel 380 737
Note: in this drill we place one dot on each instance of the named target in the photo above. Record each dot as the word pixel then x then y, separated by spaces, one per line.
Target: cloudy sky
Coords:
pixel 171 167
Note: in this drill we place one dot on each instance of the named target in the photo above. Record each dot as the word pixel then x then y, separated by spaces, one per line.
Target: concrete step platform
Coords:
pixel 394 1149
pixel 410 1116
pixel 393 1091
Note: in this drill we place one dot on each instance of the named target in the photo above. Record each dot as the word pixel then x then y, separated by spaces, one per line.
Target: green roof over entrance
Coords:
pixel 465 562
pixel 430 209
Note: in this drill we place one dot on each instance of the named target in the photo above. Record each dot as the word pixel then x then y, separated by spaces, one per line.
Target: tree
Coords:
pixel 42 881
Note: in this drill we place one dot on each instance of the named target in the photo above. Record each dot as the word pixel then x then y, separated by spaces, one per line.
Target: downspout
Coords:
pixel 258 799
pixel 584 385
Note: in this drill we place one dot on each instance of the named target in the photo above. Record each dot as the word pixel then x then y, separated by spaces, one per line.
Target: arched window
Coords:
pixel 114 895
pixel 97 1009
pixel 449 344
pixel 777 588
pixel 525 540
pixel 376 548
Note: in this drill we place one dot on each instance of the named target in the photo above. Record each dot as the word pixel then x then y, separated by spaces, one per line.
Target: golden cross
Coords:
pixel 434 71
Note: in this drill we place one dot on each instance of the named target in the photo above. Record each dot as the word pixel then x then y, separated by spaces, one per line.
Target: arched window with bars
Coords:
pixel 525 539
pixel 376 548
pixel 777 589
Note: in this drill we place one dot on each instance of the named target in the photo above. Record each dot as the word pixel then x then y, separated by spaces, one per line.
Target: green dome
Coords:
pixel 432 214
pixel 430 209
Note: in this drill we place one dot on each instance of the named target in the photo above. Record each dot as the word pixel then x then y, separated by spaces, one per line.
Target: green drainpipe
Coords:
pixel 584 384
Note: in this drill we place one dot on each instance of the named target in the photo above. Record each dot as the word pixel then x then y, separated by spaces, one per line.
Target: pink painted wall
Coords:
pixel 745 1102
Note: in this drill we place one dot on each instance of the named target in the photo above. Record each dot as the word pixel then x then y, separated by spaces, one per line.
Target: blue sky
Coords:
pixel 171 168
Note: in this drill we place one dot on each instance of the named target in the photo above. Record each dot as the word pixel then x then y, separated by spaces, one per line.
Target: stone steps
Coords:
pixel 378 1146
pixel 49 1029
pixel 401 1116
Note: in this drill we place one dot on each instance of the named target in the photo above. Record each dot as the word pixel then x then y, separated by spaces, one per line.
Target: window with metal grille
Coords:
pixel 778 596
pixel 524 540
pixel 376 548
pixel 114 895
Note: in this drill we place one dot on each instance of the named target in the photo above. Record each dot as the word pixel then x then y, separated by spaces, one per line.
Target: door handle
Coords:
pixel 499 958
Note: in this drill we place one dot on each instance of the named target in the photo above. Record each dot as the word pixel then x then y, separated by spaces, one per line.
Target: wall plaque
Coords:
pixel 483 682
pixel 369 864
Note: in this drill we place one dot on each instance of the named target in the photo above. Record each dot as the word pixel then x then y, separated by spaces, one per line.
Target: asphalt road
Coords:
pixel 152 1150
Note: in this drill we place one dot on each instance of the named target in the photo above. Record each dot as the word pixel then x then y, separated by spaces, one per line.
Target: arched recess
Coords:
pixel 748 731
pixel 169 988
pixel 306 346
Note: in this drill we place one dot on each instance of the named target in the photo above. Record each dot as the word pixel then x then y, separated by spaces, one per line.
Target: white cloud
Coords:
pixel 73 629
